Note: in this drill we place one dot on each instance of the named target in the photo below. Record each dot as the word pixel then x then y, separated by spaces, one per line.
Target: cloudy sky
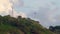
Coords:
pixel 45 11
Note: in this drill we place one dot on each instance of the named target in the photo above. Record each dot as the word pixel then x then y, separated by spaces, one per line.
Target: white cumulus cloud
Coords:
pixel 6 7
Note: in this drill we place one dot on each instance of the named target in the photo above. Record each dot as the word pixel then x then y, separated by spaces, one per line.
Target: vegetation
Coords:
pixel 55 29
pixel 19 25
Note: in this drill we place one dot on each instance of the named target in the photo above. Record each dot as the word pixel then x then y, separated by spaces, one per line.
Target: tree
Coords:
pixel 51 28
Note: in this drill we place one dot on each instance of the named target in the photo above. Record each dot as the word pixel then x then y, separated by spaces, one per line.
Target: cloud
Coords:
pixel 6 7
pixel 17 3
pixel 16 14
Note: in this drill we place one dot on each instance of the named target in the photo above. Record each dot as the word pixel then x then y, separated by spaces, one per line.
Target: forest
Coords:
pixel 19 25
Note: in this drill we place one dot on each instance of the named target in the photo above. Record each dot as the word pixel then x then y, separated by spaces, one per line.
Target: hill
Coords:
pixel 19 25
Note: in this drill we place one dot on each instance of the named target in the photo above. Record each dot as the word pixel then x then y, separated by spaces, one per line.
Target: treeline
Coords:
pixel 55 29
pixel 19 25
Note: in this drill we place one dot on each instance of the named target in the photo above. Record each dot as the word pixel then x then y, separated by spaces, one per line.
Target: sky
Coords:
pixel 47 12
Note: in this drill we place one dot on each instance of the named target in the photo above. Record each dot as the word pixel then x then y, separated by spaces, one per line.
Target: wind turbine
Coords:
pixel 11 12
pixel 14 4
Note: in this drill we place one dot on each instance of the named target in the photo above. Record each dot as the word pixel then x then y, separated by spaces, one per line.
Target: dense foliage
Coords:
pixel 19 25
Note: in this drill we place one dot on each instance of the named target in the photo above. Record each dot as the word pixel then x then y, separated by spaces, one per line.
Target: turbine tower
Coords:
pixel 16 5
pixel 12 11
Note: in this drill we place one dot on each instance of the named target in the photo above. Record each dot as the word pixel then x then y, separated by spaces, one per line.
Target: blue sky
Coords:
pixel 45 11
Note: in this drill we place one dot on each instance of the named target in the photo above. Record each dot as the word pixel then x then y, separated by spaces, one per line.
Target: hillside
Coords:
pixel 11 25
